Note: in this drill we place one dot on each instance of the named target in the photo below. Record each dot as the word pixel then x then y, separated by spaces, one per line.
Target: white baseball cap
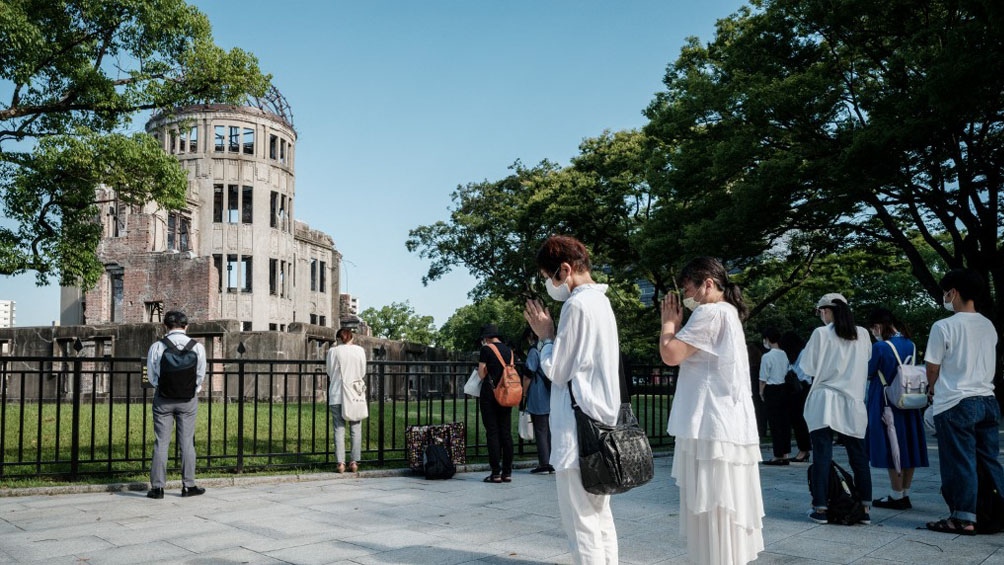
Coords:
pixel 828 299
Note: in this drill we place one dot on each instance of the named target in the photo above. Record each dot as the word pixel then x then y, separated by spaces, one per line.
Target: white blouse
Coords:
pixel 586 355
pixel 840 367
pixel 713 398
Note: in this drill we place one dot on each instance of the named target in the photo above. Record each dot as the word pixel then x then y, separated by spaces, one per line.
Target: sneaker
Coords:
pixel 818 517
pixel 539 469
pixel 866 520
pixel 192 491
pixel 550 470
pixel 155 493
pixel 893 503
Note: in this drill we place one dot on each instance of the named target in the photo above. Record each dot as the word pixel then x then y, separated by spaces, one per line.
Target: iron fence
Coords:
pixel 71 417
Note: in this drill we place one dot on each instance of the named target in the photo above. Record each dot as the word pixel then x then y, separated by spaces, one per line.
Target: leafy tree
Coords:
pixel 462 330
pixel 497 226
pixel 75 72
pixel 494 232
pixel 840 125
pixel 399 322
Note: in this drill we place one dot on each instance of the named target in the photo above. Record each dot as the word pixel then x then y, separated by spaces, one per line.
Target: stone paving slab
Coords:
pixel 394 517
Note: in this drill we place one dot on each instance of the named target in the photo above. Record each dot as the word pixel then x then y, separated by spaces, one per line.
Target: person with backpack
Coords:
pixel 960 372
pixel 581 357
pixel 496 418
pixel 837 357
pixel 176 367
pixel 911 443
pixel 537 390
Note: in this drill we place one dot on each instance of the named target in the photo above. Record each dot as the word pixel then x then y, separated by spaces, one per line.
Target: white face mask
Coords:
pixel 947 303
pixel 877 335
pixel 560 292
pixel 766 344
pixel 690 303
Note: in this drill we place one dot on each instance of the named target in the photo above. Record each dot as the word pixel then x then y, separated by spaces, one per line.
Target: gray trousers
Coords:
pixel 180 414
pixel 355 429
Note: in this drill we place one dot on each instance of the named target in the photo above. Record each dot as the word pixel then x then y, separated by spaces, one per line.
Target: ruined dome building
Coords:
pixel 235 251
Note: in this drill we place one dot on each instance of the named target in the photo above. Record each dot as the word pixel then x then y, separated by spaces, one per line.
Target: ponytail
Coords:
pixel 709 268
pixel 734 296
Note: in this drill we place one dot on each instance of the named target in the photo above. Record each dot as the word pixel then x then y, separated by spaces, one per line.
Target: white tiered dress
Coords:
pixel 717 452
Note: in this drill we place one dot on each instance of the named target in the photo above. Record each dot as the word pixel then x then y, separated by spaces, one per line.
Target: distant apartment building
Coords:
pixel 8 312
pixel 236 251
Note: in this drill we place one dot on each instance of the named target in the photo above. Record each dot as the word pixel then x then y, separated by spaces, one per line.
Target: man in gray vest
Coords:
pixel 177 375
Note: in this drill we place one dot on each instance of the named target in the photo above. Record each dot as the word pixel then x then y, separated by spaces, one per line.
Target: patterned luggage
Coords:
pixel 454 437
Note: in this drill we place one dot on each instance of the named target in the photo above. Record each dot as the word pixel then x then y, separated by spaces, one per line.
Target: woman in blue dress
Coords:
pixel 909 424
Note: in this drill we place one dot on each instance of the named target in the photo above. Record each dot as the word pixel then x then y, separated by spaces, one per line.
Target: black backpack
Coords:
pixel 437 462
pixel 178 370
pixel 842 503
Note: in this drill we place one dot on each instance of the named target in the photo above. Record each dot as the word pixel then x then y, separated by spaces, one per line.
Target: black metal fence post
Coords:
pixel 75 425
pixel 381 451
pixel 240 408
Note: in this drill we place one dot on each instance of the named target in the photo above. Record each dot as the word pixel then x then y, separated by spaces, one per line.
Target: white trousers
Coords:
pixel 587 520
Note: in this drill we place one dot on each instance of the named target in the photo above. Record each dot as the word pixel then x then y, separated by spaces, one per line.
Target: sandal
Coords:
pixel 953 526
pixel 492 479
pixel 506 478
pixel 798 459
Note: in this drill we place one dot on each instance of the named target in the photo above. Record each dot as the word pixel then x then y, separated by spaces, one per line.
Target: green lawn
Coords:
pixel 116 439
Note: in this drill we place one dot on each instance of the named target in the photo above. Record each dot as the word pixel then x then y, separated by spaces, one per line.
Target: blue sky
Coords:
pixel 397 103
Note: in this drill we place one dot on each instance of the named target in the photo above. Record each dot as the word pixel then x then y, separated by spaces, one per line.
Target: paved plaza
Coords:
pixel 395 517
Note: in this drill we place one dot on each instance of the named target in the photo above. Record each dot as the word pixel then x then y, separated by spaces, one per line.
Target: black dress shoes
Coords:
pixel 192 491
pixel 157 493
pixel 776 462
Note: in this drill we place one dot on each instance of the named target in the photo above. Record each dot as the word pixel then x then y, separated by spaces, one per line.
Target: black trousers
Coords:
pixel 498 433
pixel 797 404
pixel 775 399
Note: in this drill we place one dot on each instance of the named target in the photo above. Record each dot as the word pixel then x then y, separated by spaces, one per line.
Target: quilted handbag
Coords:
pixel 612 459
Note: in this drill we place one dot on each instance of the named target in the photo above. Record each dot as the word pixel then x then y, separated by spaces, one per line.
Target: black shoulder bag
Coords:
pixel 612 459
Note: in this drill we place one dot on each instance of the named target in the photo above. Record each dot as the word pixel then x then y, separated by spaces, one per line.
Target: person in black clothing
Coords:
pixel 496 418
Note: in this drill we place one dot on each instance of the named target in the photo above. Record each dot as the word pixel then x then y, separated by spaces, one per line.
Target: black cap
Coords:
pixel 489 330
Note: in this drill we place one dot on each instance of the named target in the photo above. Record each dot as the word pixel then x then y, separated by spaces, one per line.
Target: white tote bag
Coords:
pixel 354 405
pixel 525 426
pixel 473 385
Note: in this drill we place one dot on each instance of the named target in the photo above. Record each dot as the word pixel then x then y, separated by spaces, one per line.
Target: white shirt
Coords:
pixel 964 345
pixel 586 355
pixel 713 398
pixel 347 363
pixel 774 366
pixel 156 351
pixel 840 367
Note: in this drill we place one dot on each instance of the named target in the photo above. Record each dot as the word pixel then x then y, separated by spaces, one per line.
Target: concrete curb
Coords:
pixel 248 480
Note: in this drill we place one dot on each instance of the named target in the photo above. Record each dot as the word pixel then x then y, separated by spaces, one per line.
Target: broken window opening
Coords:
pixel 220 137
pixel 232 210
pixel 247 205
pixel 235 139
pixel 248 141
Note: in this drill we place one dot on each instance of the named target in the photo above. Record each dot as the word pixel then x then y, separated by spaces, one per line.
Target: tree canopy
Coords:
pixel 399 322
pixel 814 146
pixel 73 74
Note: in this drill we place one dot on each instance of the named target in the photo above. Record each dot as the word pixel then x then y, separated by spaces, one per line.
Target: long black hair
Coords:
pixel 843 319
pixel 703 268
